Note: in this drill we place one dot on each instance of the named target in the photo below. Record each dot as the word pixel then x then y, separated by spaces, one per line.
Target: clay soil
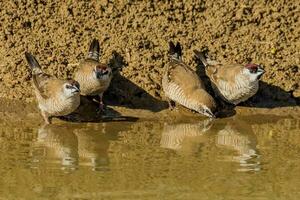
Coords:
pixel 59 33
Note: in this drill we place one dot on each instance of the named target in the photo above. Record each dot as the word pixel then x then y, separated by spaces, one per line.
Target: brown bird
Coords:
pixel 93 77
pixel 234 83
pixel 182 85
pixel 55 97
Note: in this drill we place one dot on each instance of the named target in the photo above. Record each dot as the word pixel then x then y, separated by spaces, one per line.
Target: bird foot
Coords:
pixel 101 108
pixel 172 105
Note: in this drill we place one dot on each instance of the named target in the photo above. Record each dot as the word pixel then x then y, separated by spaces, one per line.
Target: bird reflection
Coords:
pixel 92 149
pixel 71 147
pixel 238 135
pixel 57 143
pixel 232 134
pixel 183 136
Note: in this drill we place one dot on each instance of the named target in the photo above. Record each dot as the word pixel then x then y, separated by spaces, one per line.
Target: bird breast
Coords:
pixel 186 98
pixel 91 86
pixel 238 91
pixel 59 106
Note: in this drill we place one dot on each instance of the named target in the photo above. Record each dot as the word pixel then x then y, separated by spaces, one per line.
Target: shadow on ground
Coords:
pixel 122 92
pixel 270 96
pixel 88 111
pixel 125 93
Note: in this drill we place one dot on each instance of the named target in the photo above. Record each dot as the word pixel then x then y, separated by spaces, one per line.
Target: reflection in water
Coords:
pixel 235 135
pixel 200 162
pixel 70 147
pixel 56 143
pixel 92 149
pixel 238 135
pixel 175 136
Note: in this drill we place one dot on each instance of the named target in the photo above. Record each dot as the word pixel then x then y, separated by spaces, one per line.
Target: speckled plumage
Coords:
pixel 88 83
pixel 50 92
pixel 232 82
pixel 182 85
pixel 94 77
pixel 55 103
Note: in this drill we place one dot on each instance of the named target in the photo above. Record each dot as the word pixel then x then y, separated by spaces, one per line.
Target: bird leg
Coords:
pixel 101 104
pixel 46 117
pixel 172 104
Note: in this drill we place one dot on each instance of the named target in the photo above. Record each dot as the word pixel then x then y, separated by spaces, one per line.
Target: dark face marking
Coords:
pixel 259 76
pixel 69 86
pixel 73 85
pixel 100 71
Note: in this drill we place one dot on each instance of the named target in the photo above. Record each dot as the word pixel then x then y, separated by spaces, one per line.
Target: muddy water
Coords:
pixel 254 157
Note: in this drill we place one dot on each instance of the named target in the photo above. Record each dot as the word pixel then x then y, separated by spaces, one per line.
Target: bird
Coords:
pixel 94 77
pixel 55 97
pixel 182 85
pixel 234 83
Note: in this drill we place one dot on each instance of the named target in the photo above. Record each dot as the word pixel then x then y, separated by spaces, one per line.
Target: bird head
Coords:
pixel 71 88
pixel 254 71
pixel 102 72
pixel 207 106
pixel 207 112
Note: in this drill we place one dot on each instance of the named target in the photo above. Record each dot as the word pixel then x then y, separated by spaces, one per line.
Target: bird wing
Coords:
pixel 226 73
pixel 184 76
pixel 39 78
pixel 41 83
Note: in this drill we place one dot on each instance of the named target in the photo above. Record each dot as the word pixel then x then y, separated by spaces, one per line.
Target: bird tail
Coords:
pixel 175 52
pixel 33 63
pixel 201 57
pixel 94 50
pixel 204 59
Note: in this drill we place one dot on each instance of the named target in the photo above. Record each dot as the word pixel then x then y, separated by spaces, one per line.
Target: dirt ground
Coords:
pixel 59 33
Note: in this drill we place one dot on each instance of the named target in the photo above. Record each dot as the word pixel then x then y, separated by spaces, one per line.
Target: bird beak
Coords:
pixel 208 113
pixel 76 88
pixel 260 72
pixel 100 73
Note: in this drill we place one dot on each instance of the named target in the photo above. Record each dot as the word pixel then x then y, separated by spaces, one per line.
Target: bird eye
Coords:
pixel 253 70
pixel 68 87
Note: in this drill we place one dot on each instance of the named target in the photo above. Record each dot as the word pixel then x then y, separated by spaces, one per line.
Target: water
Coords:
pixel 255 157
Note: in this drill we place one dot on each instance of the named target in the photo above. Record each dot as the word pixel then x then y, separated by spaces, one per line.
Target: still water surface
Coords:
pixel 255 157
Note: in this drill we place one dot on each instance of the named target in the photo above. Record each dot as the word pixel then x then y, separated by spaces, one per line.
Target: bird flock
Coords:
pixel 232 83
